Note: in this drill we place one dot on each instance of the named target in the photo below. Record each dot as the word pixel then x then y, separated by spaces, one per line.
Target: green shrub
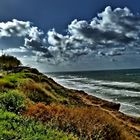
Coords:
pixel 5 84
pixel 8 135
pixel 15 127
pixel 13 101
pixel 8 62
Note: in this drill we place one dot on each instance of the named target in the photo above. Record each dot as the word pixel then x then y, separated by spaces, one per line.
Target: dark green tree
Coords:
pixel 7 62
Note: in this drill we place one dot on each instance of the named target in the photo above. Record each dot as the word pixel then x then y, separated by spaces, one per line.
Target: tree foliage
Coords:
pixel 8 62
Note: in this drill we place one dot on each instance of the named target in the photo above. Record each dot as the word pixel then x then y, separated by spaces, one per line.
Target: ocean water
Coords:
pixel 121 86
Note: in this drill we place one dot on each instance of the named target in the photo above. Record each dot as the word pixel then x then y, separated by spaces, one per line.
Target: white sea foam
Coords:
pixel 125 93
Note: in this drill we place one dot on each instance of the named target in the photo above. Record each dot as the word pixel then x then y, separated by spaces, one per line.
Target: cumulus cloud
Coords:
pixel 16 28
pixel 33 40
pixel 111 33
pixel 19 29
pixel 111 28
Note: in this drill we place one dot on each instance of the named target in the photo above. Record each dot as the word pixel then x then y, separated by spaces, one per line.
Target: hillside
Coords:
pixel 33 106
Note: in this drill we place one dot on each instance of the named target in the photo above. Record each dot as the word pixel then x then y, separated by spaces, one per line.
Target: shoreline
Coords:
pixel 111 109
pixel 96 100
pixel 92 94
pixel 43 92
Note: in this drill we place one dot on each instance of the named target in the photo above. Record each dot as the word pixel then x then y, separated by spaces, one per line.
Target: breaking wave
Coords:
pixel 125 93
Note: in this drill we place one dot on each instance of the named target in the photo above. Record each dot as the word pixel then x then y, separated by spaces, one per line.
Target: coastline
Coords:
pixel 44 93
pixel 96 101
pixel 111 108
pixel 97 88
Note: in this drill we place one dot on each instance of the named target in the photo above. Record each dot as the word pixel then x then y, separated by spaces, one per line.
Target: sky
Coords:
pixel 71 35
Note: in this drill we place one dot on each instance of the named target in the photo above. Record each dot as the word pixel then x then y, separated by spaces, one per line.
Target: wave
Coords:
pixel 125 93
pixel 83 81
pixel 130 109
pixel 109 84
pixel 119 85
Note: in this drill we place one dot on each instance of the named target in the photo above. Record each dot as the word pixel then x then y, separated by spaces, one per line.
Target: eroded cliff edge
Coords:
pixel 69 110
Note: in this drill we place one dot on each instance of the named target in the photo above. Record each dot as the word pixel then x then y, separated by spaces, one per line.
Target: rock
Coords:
pixel 111 105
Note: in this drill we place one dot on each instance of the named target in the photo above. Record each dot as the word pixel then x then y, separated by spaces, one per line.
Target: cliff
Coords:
pixel 54 112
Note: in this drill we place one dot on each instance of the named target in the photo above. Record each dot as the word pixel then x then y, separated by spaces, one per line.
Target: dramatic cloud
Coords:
pixel 112 28
pixel 34 42
pixel 111 33
pixel 20 29
pixel 23 29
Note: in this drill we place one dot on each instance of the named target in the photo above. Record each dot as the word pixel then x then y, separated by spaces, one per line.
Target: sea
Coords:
pixel 120 86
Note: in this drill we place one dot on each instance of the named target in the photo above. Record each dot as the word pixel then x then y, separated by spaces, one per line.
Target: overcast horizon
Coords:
pixel 73 35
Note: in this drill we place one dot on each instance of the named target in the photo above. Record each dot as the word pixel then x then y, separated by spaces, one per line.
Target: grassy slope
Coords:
pixel 15 127
pixel 34 95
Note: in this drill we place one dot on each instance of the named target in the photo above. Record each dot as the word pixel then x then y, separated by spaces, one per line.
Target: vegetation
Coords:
pixel 15 127
pixel 8 62
pixel 34 107
pixel 13 101
pixel 74 120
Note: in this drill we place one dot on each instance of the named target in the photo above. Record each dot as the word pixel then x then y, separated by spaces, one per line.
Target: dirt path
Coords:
pixel 132 128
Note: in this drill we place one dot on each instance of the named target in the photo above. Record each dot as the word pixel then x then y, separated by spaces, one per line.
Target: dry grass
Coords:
pixel 87 123
pixel 35 92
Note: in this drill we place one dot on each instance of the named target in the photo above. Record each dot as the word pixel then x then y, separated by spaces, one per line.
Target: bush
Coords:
pixel 5 84
pixel 15 127
pixel 8 62
pixel 13 101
